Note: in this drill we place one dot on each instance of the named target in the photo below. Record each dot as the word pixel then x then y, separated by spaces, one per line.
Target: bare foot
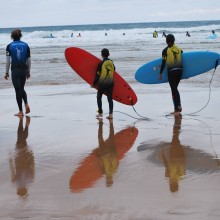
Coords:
pixel 100 120
pixel 27 109
pixel 28 120
pixel 99 116
pixel 19 114
pixel 110 116
pixel 176 113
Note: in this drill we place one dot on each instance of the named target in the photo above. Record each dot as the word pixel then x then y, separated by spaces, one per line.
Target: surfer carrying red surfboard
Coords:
pixel 104 78
pixel 172 56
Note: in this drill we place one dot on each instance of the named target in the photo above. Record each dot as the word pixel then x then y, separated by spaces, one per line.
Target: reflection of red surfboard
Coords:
pixel 85 65
pixel 90 169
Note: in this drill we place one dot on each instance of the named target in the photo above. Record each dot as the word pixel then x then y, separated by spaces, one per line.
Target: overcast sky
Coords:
pixel 23 13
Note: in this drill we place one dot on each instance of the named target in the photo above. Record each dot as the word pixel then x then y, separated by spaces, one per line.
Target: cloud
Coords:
pixel 194 13
pixel 22 13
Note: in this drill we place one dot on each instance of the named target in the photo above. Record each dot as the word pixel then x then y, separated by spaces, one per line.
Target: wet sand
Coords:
pixel 62 163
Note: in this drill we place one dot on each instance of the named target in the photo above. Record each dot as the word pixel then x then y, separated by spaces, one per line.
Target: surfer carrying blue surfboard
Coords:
pixel 104 78
pixel 172 57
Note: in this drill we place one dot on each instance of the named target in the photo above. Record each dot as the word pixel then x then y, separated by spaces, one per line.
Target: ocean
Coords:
pixel 131 45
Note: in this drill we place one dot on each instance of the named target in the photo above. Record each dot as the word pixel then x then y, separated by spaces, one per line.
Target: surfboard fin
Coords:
pixel 216 63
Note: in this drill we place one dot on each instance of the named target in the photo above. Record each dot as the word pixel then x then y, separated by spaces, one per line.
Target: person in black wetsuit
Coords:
pixel 105 79
pixel 164 34
pixel 187 34
pixel 18 57
pixel 172 56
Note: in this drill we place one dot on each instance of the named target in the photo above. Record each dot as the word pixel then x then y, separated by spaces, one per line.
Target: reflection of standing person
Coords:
pixel 105 80
pixel 106 153
pixel 172 56
pixel 22 166
pixel 18 56
pixel 175 161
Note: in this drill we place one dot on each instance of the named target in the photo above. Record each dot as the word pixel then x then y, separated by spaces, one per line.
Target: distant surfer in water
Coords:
pixel 19 58
pixel 172 56
pixel 164 34
pixel 104 78
pixel 155 35
pixel 187 34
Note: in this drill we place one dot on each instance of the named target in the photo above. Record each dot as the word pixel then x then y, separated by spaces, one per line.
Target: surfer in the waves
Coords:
pixel 104 78
pixel 172 56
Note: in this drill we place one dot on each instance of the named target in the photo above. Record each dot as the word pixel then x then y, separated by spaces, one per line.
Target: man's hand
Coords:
pixel 160 76
pixel 6 76
pixel 28 75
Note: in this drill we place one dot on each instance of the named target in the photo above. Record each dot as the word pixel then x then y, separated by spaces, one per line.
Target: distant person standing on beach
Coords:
pixel 104 78
pixel 172 56
pixel 19 58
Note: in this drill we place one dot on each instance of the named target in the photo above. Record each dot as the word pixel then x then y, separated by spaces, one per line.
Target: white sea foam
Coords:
pixel 130 47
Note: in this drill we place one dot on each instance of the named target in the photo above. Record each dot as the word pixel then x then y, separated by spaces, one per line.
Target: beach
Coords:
pixel 63 131
pixel 60 162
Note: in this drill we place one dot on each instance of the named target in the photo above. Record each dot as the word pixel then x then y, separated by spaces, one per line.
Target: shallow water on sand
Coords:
pixel 65 164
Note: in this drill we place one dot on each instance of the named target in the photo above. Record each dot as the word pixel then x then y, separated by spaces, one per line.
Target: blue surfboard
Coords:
pixel 194 63
pixel 212 36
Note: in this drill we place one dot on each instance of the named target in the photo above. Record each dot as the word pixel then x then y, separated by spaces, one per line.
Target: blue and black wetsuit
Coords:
pixel 105 79
pixel 18 56
pixel 172 56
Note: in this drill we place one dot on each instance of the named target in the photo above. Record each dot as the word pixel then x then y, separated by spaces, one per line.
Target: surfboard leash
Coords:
pixel 210 82
pixel 141 117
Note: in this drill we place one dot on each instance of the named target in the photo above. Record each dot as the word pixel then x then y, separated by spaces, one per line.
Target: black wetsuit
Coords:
pixel 19 52
pixel 104 78
pixel 172 56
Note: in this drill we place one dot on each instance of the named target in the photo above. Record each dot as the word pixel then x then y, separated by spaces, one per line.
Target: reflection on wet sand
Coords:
pixel 103 160
pixel 174 159
pixel 177 158
pixel 21 162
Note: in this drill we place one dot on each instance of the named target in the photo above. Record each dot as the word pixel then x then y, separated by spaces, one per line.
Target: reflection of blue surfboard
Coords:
pixel 194 63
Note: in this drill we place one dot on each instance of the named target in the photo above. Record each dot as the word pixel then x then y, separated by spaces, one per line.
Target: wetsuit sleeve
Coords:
pixel 28 52
pixel 98 73
pixel 8 63
pixel 8 60
pixel 162 66
pixel 29 64
pixel 164 56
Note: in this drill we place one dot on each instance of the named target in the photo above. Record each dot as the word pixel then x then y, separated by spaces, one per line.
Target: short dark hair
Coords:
pixel 16 34
pixel 105 52
pixel 170 38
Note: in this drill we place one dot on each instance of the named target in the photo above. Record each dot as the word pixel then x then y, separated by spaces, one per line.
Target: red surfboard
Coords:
pixel 91 168
pixel 85 65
